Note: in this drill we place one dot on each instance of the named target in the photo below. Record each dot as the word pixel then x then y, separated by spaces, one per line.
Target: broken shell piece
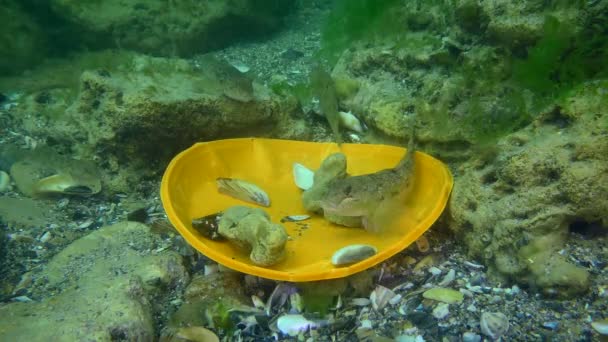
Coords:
pixel 352 254
pixel 243 190
pixel 208 226
pixel 381 296
pixel 295 218
pixel 292 325
pixel 303 176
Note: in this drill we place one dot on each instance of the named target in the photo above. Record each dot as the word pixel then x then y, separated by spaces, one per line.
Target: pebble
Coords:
pixel 444 295
pixel 434 271
pixel 551 325
pixel 494 324
pixel 470 337
pixel 352 254
pixel 441 311
pixel 5 181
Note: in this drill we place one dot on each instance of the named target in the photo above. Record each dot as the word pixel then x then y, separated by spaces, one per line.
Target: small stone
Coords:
pixel 551 325
pixel 601 326
pixel 352 254
pixel 470 337
pixel 441 311
pixel 5 181
pixel 434 271
pixel 494 324
pixel 444 295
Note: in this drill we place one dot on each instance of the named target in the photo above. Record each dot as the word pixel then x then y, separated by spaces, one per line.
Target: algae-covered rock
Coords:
pixel 515 211
pixel 134 112
pixel 43 172
pixel 101 287
pixel 176 28
pixel 251 229
pixel 23 41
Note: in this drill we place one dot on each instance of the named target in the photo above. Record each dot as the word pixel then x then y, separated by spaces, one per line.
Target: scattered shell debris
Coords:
pixel 303 176
pixel 381 296
pixel 243 190
pixel 352 254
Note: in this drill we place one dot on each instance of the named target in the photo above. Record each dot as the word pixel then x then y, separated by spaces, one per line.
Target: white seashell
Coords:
pixel 349 121
pixel 380 297
pixel 46 237
pixel 600 326
pixel 494 324
pixel 243 190
pixel 241 67
pixel 295 218
pixel 352 254
pixel 296 303
pixel 294 324
pixel 257 302
pixel 303 176
pixel 448 279
pixel 360 301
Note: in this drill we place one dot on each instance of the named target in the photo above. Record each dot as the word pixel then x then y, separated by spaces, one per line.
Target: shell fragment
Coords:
pixel 295 218
pixel 303 176
pixel 243 190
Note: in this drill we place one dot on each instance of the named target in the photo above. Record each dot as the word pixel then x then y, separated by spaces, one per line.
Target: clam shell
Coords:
pixel 61 183
pixel 243 190
pixel 303 176
pixel 352 254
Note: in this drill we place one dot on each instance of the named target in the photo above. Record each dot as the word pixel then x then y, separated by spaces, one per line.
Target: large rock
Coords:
pixel 23 41
pixel 170 28
pixel 100 288
pixel 138 111
pixel 514 212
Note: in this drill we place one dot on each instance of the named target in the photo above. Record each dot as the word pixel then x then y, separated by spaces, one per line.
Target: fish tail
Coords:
pixel 407 162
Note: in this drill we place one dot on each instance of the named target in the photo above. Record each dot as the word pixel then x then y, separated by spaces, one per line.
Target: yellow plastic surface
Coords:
pixel 188 191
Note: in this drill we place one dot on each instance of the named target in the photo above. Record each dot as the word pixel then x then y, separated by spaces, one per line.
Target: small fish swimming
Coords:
pixel 324 89
pixel 372 197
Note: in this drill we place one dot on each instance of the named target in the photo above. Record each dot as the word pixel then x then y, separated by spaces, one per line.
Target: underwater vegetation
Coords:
pixel 353 20
pixel 496 95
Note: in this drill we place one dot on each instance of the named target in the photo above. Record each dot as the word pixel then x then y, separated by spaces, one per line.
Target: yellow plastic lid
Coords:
pixel 189 191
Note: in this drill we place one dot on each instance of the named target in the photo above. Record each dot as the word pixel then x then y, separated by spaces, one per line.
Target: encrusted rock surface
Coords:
pixel 133 110
pixel 170 28
pixel 515 211
pixel 102 287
